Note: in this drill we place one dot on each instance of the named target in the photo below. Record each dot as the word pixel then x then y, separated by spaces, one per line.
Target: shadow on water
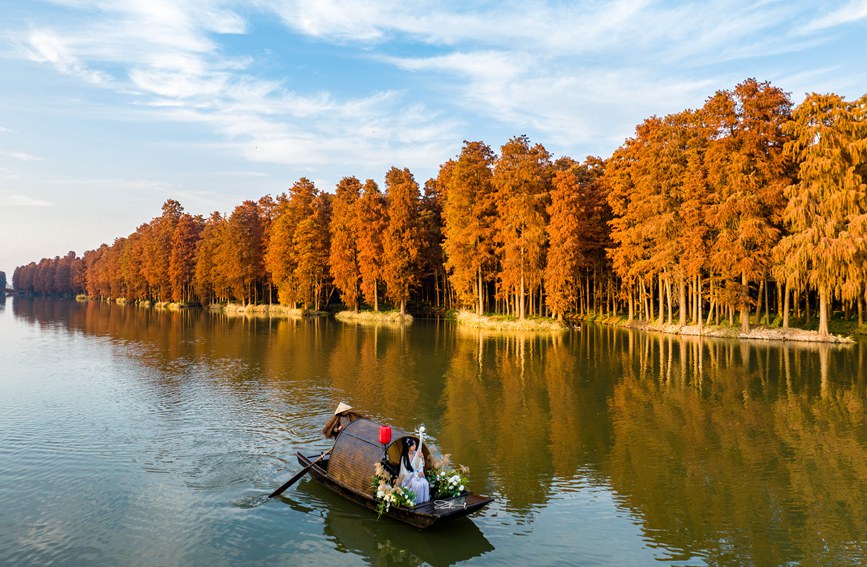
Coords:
pixel 354 529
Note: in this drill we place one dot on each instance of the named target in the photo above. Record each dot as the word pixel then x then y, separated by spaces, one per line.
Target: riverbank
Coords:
pixel 761 333
pixel 509 324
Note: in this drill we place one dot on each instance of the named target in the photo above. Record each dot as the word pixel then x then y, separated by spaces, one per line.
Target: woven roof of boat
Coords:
pixel 357 450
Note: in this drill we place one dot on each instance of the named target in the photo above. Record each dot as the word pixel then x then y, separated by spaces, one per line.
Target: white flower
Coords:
pixel 380 495
pixel 461 488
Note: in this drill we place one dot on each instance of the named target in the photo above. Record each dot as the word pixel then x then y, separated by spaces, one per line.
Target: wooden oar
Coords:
pixel 295 478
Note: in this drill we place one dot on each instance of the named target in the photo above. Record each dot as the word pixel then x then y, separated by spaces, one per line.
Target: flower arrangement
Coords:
pixel 445 480
pixel 387 494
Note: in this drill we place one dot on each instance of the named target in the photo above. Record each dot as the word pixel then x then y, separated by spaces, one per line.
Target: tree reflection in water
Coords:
pixel 736 452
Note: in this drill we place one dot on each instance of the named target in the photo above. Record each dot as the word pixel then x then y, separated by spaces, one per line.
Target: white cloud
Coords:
pixel 852 12
pixel 46 47
pixel 24 201
pixel 23 156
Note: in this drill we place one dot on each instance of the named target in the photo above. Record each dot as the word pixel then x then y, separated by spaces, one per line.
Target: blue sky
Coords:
pixel 109 107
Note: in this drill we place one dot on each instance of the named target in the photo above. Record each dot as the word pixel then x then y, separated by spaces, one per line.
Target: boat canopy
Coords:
pixel 357 450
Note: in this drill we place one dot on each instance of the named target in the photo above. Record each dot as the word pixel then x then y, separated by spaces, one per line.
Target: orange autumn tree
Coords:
pixel 343 253
pixel 431 256
pixel 402 238
pixel 693 235
pixel 521 181
pixel 311 247
pixel 208 279
pixel 370 224
pixel 577 231
pixel 240 254
pixel 747 172
pixel 182 261
pixel 827 209
pixel 267 212
pixel 157 249
pixel 469 213
pixel 631 228
pixel 282 255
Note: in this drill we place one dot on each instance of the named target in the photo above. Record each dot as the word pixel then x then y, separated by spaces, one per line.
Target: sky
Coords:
pixel 110 107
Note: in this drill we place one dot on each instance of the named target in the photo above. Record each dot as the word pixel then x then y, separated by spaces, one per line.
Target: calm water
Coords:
pixel 136 437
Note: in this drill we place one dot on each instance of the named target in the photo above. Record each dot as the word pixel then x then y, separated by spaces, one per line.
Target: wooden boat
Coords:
pixel 349 469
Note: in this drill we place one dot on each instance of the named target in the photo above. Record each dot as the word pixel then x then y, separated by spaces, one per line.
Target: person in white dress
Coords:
pixel 412 471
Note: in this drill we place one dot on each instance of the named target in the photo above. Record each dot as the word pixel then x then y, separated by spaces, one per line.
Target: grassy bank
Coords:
pixel 236 310
pixel 508 323
pixel 374 317
pixel 840 330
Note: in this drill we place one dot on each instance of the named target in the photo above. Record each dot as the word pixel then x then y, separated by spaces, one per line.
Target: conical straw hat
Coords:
pixel 342 407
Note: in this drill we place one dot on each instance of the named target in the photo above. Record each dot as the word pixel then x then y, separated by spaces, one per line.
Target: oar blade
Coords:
pixel 295 478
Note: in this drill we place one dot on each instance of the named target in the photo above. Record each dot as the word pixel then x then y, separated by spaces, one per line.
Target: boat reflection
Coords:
pixel 356 530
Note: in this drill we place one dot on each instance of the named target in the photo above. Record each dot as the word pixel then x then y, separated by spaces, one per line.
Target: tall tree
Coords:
pixel 577 230
pixel 343 253
pixel 370 225
pixel 469 214
pixel 402 239
pixel 431 255
pixel 182 260
pixel 209 281
pixel 747 172
pixel 282 256
pixel 157 248
pixel 521 179
pixel 827 210
pixel 311 245
pixel 241 253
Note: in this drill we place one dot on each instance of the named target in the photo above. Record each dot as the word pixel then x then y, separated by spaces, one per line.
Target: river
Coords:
pixel 131 436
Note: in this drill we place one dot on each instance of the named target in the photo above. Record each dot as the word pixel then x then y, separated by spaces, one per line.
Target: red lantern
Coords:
pixel 384 434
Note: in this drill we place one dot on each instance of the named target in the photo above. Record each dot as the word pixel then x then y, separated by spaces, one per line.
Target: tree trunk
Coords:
pixel 403 306
pixel 661 300
pixel 807 307
pixel 375 298
pixel 631 303
pixel 823 311
pixel 481 291
pixel 860 312
pixel 521 313
pixel 668 296
pixel 759 302
pixel 786 307
pixel 745 307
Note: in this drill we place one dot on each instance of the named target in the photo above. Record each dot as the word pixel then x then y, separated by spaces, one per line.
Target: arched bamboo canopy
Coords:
pixel 357 450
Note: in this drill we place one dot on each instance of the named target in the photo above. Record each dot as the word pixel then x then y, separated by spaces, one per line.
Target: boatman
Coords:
pixel 341 418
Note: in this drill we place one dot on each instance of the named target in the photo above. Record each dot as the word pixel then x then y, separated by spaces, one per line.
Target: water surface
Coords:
pixel 131 436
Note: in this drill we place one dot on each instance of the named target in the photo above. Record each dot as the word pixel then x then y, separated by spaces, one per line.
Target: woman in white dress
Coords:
pixel 412 471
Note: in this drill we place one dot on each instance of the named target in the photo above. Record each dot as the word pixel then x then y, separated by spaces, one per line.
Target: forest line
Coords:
pixel 746 207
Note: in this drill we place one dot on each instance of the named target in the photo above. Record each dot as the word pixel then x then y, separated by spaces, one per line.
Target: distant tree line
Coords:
pixel 743 207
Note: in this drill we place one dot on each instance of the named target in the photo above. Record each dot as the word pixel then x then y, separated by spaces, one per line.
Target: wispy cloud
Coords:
pixel 853 11
pixel 23 156
pixel 46 47
pixel 24 201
